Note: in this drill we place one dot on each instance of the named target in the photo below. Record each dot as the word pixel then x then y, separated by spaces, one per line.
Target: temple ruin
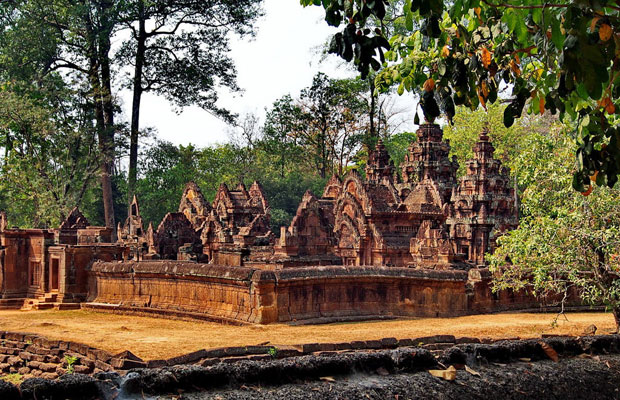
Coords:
pixel 407 242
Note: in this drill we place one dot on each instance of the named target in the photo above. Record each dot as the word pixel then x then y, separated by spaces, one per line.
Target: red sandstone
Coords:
pixel 221 259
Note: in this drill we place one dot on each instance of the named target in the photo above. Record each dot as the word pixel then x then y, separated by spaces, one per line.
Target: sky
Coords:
pixel 282 58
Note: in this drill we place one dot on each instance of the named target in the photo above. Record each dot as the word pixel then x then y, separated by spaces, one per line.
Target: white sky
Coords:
pixel 282 58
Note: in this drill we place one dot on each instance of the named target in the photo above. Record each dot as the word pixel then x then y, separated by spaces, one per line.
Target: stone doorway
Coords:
pixel 54 274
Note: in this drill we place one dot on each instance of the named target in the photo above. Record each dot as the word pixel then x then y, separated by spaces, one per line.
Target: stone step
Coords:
pixel 43 306
pixel 67 306
pixel 6 304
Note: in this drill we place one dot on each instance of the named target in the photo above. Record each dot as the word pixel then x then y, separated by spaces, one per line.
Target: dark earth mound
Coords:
pixel 586 368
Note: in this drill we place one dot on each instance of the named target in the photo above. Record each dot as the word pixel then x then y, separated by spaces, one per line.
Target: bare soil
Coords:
pixel 156 338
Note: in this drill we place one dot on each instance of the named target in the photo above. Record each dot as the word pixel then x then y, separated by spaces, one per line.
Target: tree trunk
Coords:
pixel 102 120
pixel 616 312
pixel 135 107
pixel 373 106
pixel 108 116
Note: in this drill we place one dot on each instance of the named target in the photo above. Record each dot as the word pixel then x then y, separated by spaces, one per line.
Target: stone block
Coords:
pixel 97 354
pixel 389 343
pixel 86 361
pixel 435 339
pixel 327 346
pixel 438 346
pixel 308 347
pixel 343 346
pixel 23 371
pixel 100 365
pixel 358 344
pixel 187 358
pixel 46 343
pixel 287 351
pixel 4 367
pixel 15 361
pixel 48 367
pixel 9 350
pixel 82 369
pixel 34 364
pixel 49 375
pixel 207 362
pixel 156 363
pixel 465 339
pixel 16 336
pixel 216 353
pixel 53 359
pixel 79 348
pixel 373 344
pixel 24 355
pixel 123 363
pixel 260 357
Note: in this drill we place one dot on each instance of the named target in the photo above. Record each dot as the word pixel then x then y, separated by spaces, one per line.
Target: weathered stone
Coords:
pixel 15 361
pixel 48 367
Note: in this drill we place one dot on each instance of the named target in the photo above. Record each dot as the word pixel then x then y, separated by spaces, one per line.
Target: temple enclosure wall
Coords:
pixel 245 295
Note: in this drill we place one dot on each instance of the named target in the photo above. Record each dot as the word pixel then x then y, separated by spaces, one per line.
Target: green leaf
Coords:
pixel 556 34
pixel 409 21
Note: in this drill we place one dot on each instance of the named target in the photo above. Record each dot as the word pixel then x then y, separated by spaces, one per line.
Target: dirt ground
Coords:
pixel 156 338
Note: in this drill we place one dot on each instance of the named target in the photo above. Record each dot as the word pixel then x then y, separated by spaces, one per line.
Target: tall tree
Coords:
pixel 179 49
pixel 75 39
pixel 51 155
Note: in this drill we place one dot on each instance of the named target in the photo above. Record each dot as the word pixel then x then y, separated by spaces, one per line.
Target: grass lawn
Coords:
pixel 155 338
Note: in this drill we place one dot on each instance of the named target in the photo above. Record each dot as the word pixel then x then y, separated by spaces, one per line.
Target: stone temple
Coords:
pixel 395 243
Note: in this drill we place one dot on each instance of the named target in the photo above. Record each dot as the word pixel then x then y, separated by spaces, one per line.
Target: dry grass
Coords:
pixel 154 338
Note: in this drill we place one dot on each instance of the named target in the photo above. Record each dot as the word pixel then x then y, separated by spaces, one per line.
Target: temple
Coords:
pixel 409 242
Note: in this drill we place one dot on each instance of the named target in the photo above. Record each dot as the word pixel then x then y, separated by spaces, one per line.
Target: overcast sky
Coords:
pixel 281 59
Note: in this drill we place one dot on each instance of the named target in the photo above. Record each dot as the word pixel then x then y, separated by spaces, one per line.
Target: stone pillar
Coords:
pixel 264 298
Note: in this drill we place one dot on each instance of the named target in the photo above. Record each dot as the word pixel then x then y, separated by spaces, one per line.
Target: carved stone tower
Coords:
pixel 428 159
pixel 379 168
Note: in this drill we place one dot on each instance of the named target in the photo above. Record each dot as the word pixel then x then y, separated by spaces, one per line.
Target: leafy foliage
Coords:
pixel 560 57
pixel 565 241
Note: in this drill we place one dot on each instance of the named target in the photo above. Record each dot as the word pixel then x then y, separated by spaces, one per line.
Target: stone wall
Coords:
pixel 237 294
pixel 227 293
pixel 31 355
pixel 338 291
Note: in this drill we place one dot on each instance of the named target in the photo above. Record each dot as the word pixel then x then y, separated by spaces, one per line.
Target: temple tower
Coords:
pixel 483 204
pixel 428 158
pixel 380 168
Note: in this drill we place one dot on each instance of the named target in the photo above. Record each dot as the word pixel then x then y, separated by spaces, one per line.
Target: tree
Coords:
pixel 167 169
pixel 508 142
pixel 558 56
pixel 281 121
pixel 565 242
pixel 328 121
pixel 50 157
pixel 73 37
pixel 179 49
